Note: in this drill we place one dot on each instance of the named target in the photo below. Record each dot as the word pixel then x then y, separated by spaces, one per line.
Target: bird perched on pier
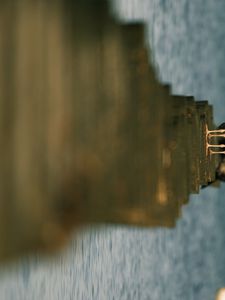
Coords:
pixel 220 169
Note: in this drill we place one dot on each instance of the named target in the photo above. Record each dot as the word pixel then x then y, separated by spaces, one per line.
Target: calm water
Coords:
pixel 188 48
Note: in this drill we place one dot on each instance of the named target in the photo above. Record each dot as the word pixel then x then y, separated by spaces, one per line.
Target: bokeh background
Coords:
pixel 187 42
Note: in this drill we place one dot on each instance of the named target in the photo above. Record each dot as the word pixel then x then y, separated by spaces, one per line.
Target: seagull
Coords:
pixel 218 133
pixel 220 171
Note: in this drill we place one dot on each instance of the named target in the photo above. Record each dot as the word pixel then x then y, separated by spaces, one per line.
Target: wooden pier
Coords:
pixel 88 133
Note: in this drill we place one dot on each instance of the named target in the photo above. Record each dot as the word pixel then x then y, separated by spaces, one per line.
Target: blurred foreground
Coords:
pixel 87 132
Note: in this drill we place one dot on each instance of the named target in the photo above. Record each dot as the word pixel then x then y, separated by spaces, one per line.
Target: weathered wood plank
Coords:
pixel 88 133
